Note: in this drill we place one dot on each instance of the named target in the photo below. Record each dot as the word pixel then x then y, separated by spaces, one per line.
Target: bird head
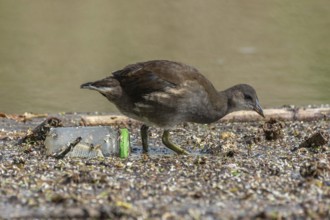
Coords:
pixel 108 87
pixel 243 97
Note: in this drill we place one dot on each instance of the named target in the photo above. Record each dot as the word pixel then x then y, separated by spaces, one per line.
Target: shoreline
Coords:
pixel 233 171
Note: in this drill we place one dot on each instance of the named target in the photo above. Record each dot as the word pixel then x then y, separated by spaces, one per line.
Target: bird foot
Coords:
pixel 172 146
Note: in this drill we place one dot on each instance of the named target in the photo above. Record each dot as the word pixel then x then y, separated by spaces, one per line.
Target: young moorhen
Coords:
pixel 164 93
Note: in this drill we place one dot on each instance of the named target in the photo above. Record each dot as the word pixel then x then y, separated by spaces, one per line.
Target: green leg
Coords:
pixel 144 137
pixel 170 145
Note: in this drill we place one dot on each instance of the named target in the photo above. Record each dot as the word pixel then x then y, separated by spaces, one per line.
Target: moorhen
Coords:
pixel 165 93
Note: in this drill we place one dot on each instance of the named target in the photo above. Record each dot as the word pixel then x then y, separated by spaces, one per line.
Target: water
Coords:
pixel 49 48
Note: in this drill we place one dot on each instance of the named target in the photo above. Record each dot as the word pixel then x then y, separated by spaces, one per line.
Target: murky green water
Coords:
pixel 48 48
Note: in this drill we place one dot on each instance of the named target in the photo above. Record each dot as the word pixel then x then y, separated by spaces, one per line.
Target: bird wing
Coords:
pixel 141 79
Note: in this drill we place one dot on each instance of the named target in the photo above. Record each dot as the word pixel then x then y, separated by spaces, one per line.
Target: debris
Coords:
pixel 67 149
pixel 107 120
pixel 283 114
pixel 39 133
pixel 124 143
pixel 22 118
pixel 95 141
pixel 273 129
pixel 315 141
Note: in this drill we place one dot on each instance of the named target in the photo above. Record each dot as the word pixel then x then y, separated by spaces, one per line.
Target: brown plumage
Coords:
pixel 164 93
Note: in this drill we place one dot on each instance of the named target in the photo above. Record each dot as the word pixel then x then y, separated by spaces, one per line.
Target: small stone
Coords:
pixel 227 135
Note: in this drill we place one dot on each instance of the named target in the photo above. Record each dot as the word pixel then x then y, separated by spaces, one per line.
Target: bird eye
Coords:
pixel 248 97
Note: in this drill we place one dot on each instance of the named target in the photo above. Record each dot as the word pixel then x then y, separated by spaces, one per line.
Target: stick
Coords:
pixel 292 114
pixel 67 149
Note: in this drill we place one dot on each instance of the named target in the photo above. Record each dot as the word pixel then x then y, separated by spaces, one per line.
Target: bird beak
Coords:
pixel 258 108
pixel 91 86
pixel 86 85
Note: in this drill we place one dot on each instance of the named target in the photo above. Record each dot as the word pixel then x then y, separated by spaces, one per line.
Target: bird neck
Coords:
pixel 230 100
pixel 220 105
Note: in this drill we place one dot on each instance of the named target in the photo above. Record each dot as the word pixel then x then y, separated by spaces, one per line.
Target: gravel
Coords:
pixel 233 172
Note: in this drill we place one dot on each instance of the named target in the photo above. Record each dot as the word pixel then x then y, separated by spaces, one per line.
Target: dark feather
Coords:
pixel 140 79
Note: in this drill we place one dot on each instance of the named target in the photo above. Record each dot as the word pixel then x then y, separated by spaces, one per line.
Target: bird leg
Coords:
pixel 144 137
pixel 170 145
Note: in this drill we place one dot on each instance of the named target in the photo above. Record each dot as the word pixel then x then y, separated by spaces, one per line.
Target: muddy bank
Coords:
pixel 234 171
